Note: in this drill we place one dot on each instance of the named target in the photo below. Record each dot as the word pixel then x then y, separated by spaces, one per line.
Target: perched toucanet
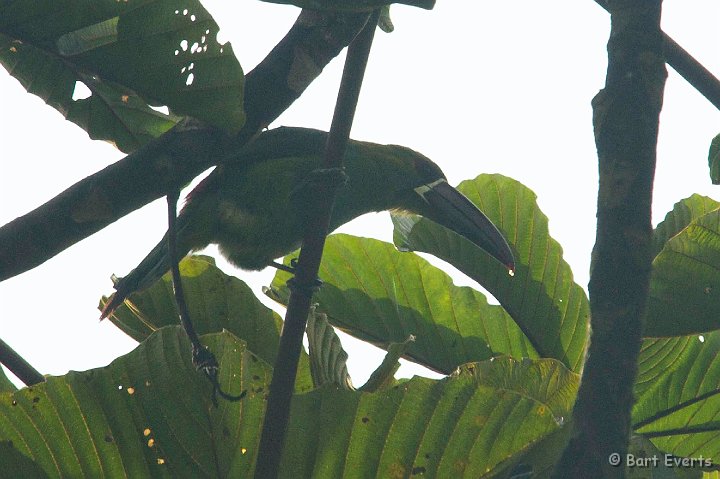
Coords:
pixel 255 206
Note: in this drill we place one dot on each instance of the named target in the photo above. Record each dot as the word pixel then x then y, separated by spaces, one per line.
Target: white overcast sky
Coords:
pixel 479 87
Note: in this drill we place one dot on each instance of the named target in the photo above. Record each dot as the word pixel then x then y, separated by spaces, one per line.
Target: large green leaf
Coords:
pixel 685 281
pixel 216 302
pixel 148 414
pixel 542 298
pixel 679 408
pixel 164 51
pixel 682 214
pixel 379 295
pixel 461 426
pixel 352 5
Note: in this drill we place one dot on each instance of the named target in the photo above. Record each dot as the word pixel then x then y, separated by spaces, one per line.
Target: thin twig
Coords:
pixel 183 310
pixel 692 71
pixel 302 285
pixel 18 366
pixel 203 359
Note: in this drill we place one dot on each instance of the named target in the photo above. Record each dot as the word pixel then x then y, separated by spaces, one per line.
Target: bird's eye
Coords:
pixel 426 169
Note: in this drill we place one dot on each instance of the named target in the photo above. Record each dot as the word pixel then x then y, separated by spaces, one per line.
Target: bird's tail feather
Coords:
pixel 150 269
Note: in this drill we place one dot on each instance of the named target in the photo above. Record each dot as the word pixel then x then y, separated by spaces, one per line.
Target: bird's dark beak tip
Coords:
pixel 452 209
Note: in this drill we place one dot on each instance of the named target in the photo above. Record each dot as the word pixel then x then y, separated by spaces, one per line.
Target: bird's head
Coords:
pixel 409 181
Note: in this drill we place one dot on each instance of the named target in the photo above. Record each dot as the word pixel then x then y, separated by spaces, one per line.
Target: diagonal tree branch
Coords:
pixel 692 71
pixel 688 67
pixel 179 155
pixel 625 118
pixel 18 366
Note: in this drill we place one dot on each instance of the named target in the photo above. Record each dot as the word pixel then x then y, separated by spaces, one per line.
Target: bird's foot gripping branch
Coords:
pixel 305 289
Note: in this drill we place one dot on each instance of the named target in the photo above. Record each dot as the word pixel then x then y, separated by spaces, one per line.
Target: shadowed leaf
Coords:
pixel 461 426
pixel 148 414
pixel 377 294
pixel 130 55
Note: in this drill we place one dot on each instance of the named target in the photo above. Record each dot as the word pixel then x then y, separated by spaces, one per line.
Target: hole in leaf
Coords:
pixel 161 109
pixel 184 45
pixel 81 91
pixel 190 79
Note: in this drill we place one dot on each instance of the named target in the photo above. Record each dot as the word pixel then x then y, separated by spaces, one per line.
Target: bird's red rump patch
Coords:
pixel 207 184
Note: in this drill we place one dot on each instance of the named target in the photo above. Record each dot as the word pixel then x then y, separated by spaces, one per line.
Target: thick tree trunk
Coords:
pixel 626 114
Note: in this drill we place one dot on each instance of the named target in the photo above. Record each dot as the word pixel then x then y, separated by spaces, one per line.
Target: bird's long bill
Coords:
pixel 453 210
